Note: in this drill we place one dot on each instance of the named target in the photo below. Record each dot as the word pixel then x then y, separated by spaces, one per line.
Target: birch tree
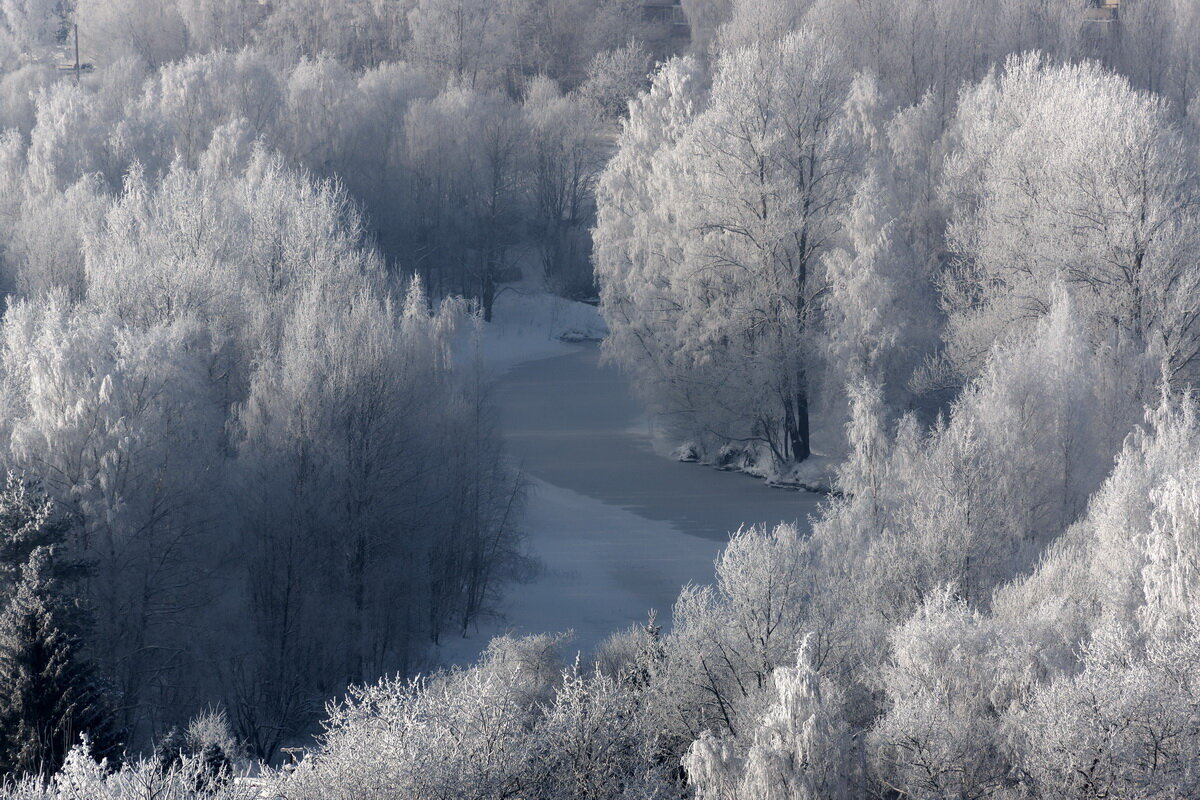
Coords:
pixel 752 191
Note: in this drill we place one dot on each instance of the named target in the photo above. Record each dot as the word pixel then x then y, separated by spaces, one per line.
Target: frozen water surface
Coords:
pixel 574 424
pixel 617 528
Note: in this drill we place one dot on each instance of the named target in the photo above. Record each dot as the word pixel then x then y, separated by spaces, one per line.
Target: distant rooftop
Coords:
pixel 673 33
pixel 1103 11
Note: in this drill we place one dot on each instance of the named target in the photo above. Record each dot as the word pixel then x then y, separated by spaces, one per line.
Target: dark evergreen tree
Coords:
pixel 211 767
pixel 214 769
pixel 170 750
pixel 28 521
pixel 49 693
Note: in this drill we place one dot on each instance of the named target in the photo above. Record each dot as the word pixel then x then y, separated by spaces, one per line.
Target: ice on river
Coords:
pixel 618 528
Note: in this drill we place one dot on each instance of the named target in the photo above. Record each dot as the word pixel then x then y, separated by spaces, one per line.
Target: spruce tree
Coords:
pixel 27 521
pixel 49 694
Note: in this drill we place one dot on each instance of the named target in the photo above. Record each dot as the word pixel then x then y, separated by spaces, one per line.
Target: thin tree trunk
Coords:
pixel 797 419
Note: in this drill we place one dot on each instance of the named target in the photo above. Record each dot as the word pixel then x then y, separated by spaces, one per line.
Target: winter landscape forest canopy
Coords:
pixel 936 260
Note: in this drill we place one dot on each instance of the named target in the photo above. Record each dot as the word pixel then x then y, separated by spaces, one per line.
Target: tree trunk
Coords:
pixel 797 420
pixel 487 282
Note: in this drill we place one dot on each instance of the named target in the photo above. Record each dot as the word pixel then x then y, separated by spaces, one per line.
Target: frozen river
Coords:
pixel 574 424
pixel 617 529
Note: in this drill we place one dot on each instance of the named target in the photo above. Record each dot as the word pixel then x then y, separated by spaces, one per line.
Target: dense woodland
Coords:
pixel 952 248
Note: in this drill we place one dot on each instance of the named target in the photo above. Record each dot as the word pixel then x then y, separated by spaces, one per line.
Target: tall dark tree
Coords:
pixel 49 692
pixel 28 521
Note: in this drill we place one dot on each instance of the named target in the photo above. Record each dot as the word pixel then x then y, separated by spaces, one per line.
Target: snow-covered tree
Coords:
pixel 616 76
pixel 800 749
pixel 124 429
pixel 346 524
pixel 470 43
pixel 725 346
pixel 729 638
pixel 1124 726
pixel 1067 175
pixel 705 18
pixel 753 22
pixel 880 310
pixel 32 24
pixel 151 32
pixel 466 151
pixel 635 243
pixel 939 737
pixel 566 160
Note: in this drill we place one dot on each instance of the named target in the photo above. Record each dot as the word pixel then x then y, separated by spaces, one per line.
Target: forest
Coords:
pixel 937 260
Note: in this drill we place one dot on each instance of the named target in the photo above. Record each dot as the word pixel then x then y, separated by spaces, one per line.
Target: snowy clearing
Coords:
pixel 529 324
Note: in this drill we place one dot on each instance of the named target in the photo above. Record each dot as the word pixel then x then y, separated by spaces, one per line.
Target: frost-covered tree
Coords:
pixel 593 741
pixel 470 43
pixel 326 424
pixel 1156 48
pixel 228 246
pixel 466 733
pixel 723 344
pixel 467 153
pixel 880 309
pixel 635 246
pixel 516 723
pixel 938 739
pixel 1067 175
pixel 800 748
pixel 218 297
pixel 750 22
pixel 358 33
pixel 345 524
pixel 222 25
pixel 151 32
pixel 560 38
pixel 1012 470
pixel 1139 550
pixel 616 76
pixel 729 638
pixel 124 429
pixel 32 24
pixel 1121 727
pixel 705 17
pixel 566 160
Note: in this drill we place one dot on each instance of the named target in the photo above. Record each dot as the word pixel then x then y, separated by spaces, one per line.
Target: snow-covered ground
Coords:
pixel 529 324
pixel 617 528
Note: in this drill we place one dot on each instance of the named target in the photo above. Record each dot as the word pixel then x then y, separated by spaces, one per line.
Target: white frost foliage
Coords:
pixel 880 316
pixel 709 243
pixel 937 739
pixel 1163 540
pixel 865 470
pixel 235 251
pixel 1140 533
pixel 1123 727
pixel 465 42
pixel 1172 574
pixel 972 502
pixel 1066 175
pixel 152 32
pixel 516 724
pixel 31 23
pixel 82 777
pixel 127 432
pixel 800 749
pixel 729 638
